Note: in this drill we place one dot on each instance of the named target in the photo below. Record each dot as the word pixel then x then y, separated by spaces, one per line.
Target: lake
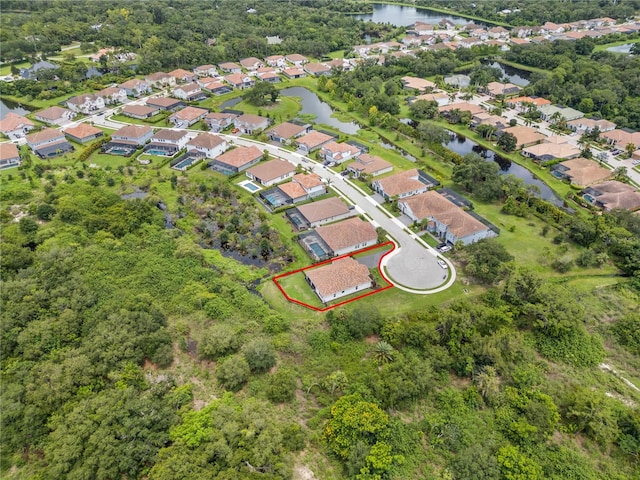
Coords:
pixel 462 146
pixel 626 48
pixel 322 111
pixel 405 16
pixel 7 106
pixel 515 75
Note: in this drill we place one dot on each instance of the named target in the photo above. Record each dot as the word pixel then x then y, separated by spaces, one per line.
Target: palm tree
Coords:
pixel 629 148
pixel 383 352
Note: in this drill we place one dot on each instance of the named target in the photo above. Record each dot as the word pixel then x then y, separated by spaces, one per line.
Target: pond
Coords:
pixel 515 75
pixel 7 106
pixel 230 103
pixel 311 104
pixel 462 146
pixel 626 48
pixel 404 16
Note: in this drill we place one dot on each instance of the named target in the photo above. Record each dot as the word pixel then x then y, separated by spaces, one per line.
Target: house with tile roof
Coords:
pixel 240 81
pixel 404 184
pixel 472 108
pixel 312 141
pixel 187 116
pixel 317 69
pixel 136 87
pixel 586 125
pixel 347 236
pixel 237 159
pixel 271 77
pixel 271 172
pixel 183 76
pixel 415 83
pixel 165 103
pixel 314 214
pixel 251 63
pixel 83 133
pixel 206 71
pixel 294 72
pixel 285 132
pixel 621 137
pixel 497 88
pixel 55 115
pixel 48 143
pixel 160 80
pixel 189 92
pixel 445 219
pixel 611 195
pixel 219 121
pixel 334 152
pixel 132 135
pixel 208 145
pixel 230 67
pixel 276 61
pixel 581 172
pixel 372 165
pixel 548 151
pixel 214 86
pixel 85 103
pixel 251 124
pixel 338 279
pixel 140 112
pixel 525 136
pixel 548 111
pixel 169 141
pixel 15 126
pixel 296 59
pixel 9 155
pixel 113 95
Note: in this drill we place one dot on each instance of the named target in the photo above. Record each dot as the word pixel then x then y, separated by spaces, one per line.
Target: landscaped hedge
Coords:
pixel 86 153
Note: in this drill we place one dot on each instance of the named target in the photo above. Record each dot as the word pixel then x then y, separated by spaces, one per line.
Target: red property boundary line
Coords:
pixel 293 300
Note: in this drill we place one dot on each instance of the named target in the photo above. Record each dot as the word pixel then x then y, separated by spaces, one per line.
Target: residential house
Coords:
pixel 445 219
pixel 160 80
pixel 135 87
pixel 404 184
pixel 36 69
pixel 334 152
pixel 48 143
pixel 208 145
pixel 168 141
pixel 547 151
pixel 215 87
pixel 187 116
pixel 251 63
pixel 206 71
pixel 525 136
pixel 183 76
pixel 371 165
pixel 440 98
pixel 458 80
pixel 294 72
pixel 273 40
pixel 219 121
pixel 287 131
pixel 338 279
pixel 113 95
pixel 311 184
pixel 271 172
pixel 190 92
pixel 586 125
pixel 240 81
pixel 498 33
pixel 165 103
pixel 519 41
pixel 496 88
pixel 141 112
pixel 550 27
pixel 523 103
pixel 421 28
pixel 347 236
pixel 547 112
pixel 318 213
pixel 312 141
pixel 317 69
pixel 55 115
pixel 15 126
pixel 230 67
pixel 86 103
pixel 581 172
pixel 612 195
pixel 133 135
pixel 237 159
pixel 296 59
pixel 9 155
pixel 521 32
pixel 276 61
pixel 621 137
pixel 83 133
pixel 486 118
pixel 271 77
pixel 339 64
pixel 251 124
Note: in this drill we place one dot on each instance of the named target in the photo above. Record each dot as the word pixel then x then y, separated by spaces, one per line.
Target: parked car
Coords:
pixel 443 247
pixel 442 264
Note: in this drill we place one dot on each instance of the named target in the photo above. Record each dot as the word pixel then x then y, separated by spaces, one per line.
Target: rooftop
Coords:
pixel 8 150
pixel 83 130
pixel 170 135
pixel 287 130
pixel 206 140
pixel 132 131
pixel 189 113
pixel 139 110
pixel 338 276
pixel 347 233
pixel 323 209
pixel 44 135
pixel 525 135
pixel 585 172
pixel 401 182
pixel 52 113
pixel 368 164
pixel 240 156
pixel 12 121
pixel 314 139
pixel 272 169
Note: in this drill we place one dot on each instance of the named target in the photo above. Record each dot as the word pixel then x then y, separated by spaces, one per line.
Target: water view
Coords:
pixel 514 75
pixel 404 16
pixel 7 106
pixel 322 111
pixel 462 146
pixel 626 48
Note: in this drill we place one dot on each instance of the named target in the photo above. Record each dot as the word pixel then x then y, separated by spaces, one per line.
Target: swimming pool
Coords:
pixel 317 249
pixel 184 164
pixel 157 151
pixel 589 198
pixel 251 187
pixel 119 151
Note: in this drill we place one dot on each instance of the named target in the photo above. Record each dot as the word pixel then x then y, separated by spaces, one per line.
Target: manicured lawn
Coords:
pixel 600 48
pixel 106 160
pixel 297 288
pixel 157 120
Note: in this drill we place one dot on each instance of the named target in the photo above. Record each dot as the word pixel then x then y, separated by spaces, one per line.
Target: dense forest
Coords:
pixel 141 336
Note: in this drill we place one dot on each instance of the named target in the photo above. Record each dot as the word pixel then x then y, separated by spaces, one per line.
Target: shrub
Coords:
pixel 233 372
pixel 281 386
pixel 260 355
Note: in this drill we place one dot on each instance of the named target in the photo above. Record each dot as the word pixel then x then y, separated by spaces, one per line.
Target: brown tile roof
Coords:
pixel 12 121
pixel 296 57
pixel 8 150
pixel 294 71
pixel 369 164
pixel 585 172
pixel 562 150
pixel 180 73
pixel 82 130
pixel 220 116
pixel 323 209
pixel 253 120
pixel 206 140
pixel 401 182
pixel 614 194
pixel 228 66
pixel 347 233
pixel 109 91
pixel 249 62
pixel 308 180
pixel 622 137
pixel 158 76
pixel 313 139
pixel 240 156
pixel 417 83
pixel 433 205
pixel 133 131
pixel 525 135
pixel 46 134
pixel 287 130
pixel 164 102
pixel 139 110
pixel 134 82
pixel 463 107
pixel 272 169
pixel 293 189
pixel 592 123
pixel 80 99
pixel 338 276
pixel 167 134
pixel 52 113
pixel 189 113
pixel 316 68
